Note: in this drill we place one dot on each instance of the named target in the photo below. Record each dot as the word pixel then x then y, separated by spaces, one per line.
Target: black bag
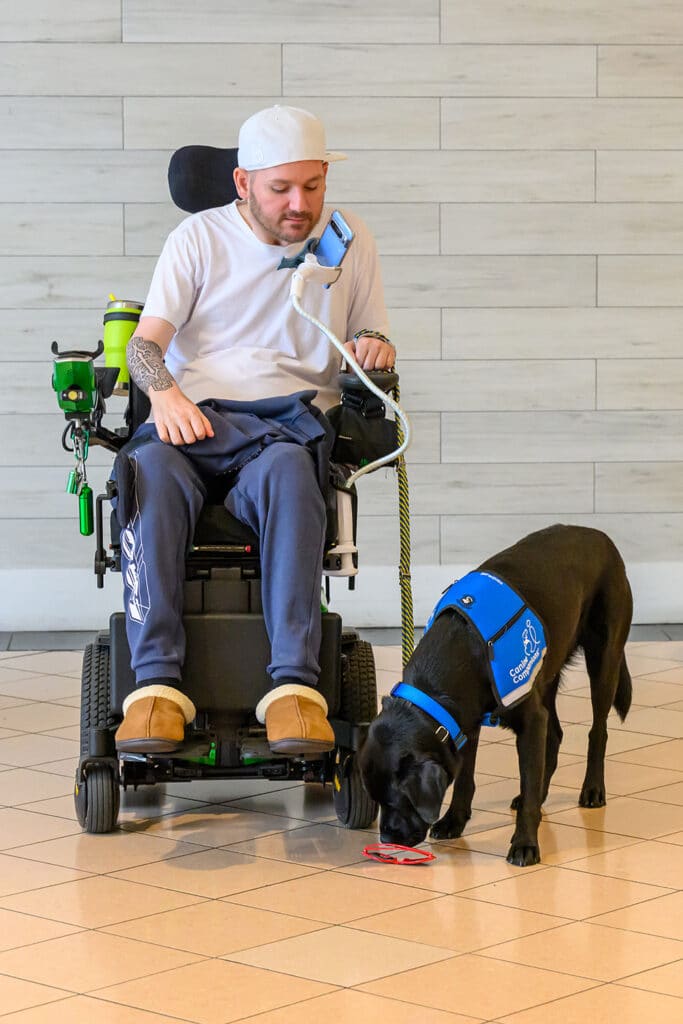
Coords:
pixel 362 431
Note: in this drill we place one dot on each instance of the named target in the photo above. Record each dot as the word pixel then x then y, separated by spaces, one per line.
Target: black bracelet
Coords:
pixel 366 333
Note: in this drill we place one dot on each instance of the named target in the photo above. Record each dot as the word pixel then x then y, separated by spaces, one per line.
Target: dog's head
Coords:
pixel 407 771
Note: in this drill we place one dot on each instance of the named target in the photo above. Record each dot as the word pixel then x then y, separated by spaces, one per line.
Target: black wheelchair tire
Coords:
pixel 96 792
pixel 359 683
pixel 97 798
pixel 96 694
pixel 352 805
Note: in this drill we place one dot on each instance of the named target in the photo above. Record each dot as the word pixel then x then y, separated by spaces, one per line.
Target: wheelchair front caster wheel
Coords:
pixel 352 805
pixel 97 798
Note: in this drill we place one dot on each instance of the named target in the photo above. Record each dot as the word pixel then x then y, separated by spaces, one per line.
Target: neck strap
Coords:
pixel 451 729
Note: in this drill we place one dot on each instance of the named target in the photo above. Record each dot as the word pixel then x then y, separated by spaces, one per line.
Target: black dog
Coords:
pixel 575 581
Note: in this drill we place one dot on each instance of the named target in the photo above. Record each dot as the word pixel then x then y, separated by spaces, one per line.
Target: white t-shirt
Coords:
pixel 237 334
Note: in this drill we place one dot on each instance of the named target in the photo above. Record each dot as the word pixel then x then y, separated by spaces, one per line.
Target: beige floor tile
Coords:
pixel 642 663
pixel 676 838
pixel 660 722
pixel 41 687
pixel 214 990
pixel 23 929
pixel 648 692
pixel 65 767
pixel 56 806
pixel 461 925
pixel 477 986
pixel 621 779
pixel 574 708
pixel 668 650
pixel 676 706
pixel 662 916
pixel 554 891
pixel 23 785
pixel 667 674
pixel 667 980
pixel 18 995
pixel 115 851
pixel 19 828
pixel 308 803
pixel 9 675
pixel 11 702
pixel 87 1010
pixel 57 663
pixel 20 875
pixel 7 733
pixel 454 870
pixel 497 797
pixel 215 873
pixel 26 750
pixel 348 1006
pixel 558 842
pixel 589 951
pixel 575 739
pixel 215 825
pixel 214 928
pixel 654 863
pixel 318 846
pixel 70 732
pixel 671 794
pixel 331 896
pixel 664 754
pixel 96 901
pixel 39 717
pixel 341 956
pixel 626 816
pixel 110 960
pixel 603 1005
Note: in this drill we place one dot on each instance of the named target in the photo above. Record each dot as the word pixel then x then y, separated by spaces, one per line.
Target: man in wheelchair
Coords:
pixel 238 383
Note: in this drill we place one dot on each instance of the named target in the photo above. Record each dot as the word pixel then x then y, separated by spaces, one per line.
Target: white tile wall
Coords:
pixel 520 163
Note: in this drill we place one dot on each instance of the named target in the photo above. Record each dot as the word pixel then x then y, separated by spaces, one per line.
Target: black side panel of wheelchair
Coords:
pixel 225 667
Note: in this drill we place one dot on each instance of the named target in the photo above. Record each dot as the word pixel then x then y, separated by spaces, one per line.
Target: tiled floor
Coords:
pixel 246 901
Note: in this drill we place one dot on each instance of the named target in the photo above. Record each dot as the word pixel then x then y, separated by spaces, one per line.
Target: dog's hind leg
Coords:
pixel 552 744
pixel 531 748
pixel 610 684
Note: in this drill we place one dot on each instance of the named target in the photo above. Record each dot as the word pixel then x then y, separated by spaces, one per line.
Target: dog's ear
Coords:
pixel 425 787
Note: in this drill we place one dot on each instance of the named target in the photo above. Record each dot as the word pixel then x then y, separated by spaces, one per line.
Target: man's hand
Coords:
pixel 372 353
pixel 177 419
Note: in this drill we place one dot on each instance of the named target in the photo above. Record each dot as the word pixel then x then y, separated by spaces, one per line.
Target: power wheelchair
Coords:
pixel 227 646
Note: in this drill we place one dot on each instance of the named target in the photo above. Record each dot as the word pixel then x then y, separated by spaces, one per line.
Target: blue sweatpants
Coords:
pixel 276 492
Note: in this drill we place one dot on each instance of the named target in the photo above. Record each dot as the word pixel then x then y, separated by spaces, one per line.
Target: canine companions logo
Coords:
pixel 532 654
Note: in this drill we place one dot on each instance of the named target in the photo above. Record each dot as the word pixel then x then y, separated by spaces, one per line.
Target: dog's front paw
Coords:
pixel 592 796
pixel 451 826
pixel 523 856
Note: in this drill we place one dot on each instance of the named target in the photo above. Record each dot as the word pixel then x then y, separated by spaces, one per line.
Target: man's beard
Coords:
pixel 283 229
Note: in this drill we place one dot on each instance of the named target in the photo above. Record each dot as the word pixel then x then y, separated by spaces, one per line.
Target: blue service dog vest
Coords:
pixel 513 633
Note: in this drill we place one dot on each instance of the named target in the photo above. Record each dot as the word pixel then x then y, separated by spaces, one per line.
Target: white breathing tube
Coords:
pixel 310 268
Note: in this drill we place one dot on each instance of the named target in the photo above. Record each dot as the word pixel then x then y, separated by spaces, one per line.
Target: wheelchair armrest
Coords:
pixel 385 380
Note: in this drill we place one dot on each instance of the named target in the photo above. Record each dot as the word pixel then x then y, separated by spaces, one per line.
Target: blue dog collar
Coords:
pixel 433 708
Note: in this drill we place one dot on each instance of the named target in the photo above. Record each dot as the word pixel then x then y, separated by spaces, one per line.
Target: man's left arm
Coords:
pixel 368 322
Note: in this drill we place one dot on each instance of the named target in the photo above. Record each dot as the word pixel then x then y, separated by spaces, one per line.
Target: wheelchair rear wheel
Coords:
pixel 353 807
pixel 96 792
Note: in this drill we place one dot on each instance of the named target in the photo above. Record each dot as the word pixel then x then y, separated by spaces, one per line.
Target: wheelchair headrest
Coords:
pixel 200 177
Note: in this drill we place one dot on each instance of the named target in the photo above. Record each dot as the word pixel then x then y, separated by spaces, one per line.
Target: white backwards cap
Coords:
pixel 282 135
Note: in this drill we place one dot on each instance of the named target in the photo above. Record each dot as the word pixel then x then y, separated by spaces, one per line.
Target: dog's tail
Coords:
pixel 622 698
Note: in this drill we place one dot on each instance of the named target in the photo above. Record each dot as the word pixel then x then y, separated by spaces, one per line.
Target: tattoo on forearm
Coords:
pixel 146 365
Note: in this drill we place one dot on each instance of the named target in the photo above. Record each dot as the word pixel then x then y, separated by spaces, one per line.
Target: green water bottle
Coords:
pixel 85 510
pixel 120 321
